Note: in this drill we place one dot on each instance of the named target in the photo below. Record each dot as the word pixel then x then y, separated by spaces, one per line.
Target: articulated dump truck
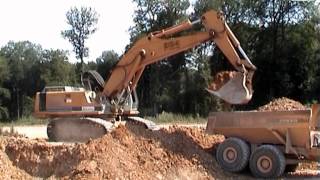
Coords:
pixel 269 142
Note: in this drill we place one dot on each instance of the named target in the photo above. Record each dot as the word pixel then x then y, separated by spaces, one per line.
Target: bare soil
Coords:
pixel 129 152
pixel 282 104
pixel 7 169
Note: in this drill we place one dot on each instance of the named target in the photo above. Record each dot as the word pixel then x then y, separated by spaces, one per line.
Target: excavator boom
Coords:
pixel 160 45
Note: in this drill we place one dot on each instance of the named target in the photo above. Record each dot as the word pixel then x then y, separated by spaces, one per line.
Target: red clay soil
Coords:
pixel 282 104
pixel 7 169
pixel 220 79
pixel 129 152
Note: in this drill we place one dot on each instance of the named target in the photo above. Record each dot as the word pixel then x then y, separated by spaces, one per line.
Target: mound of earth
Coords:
pixel 282 104
pixel 129 152
pixel 7 169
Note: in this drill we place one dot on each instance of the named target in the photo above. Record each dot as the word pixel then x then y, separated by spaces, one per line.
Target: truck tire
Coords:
pixel 233 154
pixel 267 161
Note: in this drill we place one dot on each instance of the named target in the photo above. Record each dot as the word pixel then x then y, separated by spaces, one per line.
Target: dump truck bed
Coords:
pixel 263 127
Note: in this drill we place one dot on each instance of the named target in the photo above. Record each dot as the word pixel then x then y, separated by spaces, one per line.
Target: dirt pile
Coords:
pixel 282 104
pixel 41 159
pixel 129 152
pixel 7 169
pixel 220 79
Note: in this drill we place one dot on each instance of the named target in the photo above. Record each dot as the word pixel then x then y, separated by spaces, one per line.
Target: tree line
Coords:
pixel 282 38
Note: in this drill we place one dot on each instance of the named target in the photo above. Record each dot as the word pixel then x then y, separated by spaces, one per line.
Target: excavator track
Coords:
pixel 77 129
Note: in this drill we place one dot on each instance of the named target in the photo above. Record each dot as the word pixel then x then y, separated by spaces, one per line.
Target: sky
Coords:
pixel 41 22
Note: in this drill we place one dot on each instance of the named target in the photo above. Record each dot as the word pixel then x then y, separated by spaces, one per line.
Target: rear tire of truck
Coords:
pixel 233 154
pixel 267 161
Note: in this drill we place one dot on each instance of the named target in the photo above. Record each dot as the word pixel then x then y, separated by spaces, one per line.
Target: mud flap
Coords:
pixel 234 91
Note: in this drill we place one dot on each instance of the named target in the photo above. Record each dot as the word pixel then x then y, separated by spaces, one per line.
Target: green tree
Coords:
pixel 82 23
pixel 283 50
pixel 154 15
pixel 106 62
pixel 314 95
pixel 56 70
pixel 4 92
pixel 23 60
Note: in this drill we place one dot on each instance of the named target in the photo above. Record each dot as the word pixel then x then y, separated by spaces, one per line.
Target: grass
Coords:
pixel 27 120
pixel 165 118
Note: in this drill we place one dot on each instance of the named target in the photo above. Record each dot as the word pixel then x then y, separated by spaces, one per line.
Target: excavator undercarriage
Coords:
pixel 77 129
pixel 83 129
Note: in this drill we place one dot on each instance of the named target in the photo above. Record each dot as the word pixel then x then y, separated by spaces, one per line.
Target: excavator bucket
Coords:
pixel 235 91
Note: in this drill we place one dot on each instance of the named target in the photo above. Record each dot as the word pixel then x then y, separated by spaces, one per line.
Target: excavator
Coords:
pixel 88 112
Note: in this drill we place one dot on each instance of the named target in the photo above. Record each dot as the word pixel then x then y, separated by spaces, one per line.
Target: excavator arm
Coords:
pixel 159 45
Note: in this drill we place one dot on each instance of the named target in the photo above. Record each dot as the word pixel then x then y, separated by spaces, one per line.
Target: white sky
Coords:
pixel 41 22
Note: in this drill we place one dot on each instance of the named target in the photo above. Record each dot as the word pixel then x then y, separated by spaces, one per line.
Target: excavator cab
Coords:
pixel 92 80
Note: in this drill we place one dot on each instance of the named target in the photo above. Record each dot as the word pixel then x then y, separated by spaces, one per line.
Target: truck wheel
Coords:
pixel 267 161
pixel 233 154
